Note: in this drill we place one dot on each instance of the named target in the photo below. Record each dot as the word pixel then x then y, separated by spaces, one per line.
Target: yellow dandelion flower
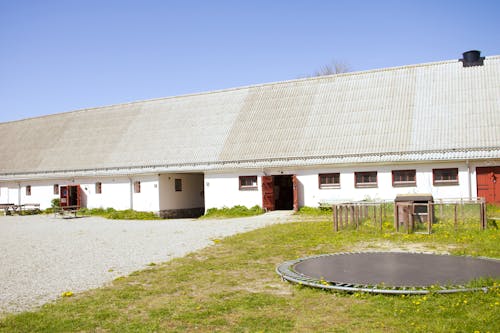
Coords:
pixel 67 294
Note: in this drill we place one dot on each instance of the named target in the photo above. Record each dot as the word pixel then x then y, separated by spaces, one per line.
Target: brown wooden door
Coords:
pixel 70 195
pixel 295 193
pixel 64 196
pixel 488 183
pixel 78 196
pixel 268 193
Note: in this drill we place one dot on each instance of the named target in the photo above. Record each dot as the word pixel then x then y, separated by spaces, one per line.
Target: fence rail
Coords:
pixel 411 216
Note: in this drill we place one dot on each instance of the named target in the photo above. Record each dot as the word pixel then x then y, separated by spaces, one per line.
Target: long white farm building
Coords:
pixel 427 128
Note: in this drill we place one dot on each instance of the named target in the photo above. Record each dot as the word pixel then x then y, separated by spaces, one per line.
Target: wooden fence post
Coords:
pixel 482 213
pixel 341 223
pixel 335 218
pixel 462 211
pixel 346 216
pixel 455 215
pixel 410 219
pixel 356 214
pixel 396 217
pixel 430 217
pixel 380 217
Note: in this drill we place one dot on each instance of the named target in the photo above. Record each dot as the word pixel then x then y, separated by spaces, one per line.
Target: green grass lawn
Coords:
pixel 232 287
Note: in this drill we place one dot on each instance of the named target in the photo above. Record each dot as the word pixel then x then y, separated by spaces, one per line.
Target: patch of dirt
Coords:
pixel 268 286
pixel 388 246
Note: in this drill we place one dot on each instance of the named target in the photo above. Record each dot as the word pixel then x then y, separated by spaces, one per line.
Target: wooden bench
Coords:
pixel 10 208
pixel 7 208
pixel 30 206
pixel 66 211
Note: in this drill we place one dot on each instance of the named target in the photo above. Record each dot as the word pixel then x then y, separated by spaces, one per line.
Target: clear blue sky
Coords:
pixel 64 55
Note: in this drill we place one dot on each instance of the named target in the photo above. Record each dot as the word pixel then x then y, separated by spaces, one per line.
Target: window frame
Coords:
pixel 245 187
pixel 56 189
pixel 28 190
pixel 327 186
pixel 178 184
pixel 404 183
pixel 445 182
pixel 98 188
pixel 365 184
pixel 137 186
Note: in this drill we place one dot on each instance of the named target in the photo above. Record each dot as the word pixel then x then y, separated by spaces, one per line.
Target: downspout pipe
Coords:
pixel 131 183
pixel 469 179
pixel 19 194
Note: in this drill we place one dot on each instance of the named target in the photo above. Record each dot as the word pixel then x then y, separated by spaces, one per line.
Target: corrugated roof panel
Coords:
pixel 437 107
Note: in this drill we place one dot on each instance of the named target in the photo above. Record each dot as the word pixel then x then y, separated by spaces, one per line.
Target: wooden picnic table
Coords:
pixel 7 207
pixel 10 208
pixel 66 210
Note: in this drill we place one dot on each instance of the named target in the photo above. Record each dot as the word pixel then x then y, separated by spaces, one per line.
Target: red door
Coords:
pixel 268 193
pixel 488 183
pixel 64 196
pixel 78 201
pixel 295 193
pixel 70 195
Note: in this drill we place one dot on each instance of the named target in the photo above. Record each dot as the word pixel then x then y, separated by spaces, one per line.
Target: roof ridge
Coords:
pixel 274 83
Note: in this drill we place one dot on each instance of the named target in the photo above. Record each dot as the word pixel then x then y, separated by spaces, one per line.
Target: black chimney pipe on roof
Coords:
pixel 472 58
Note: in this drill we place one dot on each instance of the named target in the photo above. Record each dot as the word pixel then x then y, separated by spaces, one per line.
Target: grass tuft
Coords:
pixel 236 211
pixel 112 214
pixel 232 287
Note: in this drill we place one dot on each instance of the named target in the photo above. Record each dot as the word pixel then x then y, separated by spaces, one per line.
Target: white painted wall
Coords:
pixel 42 193
pixel 223 190
pixel 191 196
pixel 8 193
pixel 116 192
pixel 312 195
pixel 148 200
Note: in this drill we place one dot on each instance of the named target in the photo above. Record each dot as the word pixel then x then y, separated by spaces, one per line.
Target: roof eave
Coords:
pixel 307 161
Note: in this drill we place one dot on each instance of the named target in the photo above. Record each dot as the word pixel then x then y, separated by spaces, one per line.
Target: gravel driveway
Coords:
pixel 43 256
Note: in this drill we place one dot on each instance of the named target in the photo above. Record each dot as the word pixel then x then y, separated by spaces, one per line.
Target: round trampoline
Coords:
pixel 391 272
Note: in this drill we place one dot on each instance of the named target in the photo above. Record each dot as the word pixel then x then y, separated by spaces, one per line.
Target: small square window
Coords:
pixel 365 179
pixel 445 176
pixel 248 183
pixel 98 188
pixel 329 180
pixel 178 185
pixel 137 187
pixel 401 178
pixel 56 189
pixel 28 189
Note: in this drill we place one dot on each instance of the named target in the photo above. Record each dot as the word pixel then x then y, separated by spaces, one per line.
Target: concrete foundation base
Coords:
pixel 182 213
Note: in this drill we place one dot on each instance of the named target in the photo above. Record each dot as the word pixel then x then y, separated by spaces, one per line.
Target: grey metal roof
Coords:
pixel 433 111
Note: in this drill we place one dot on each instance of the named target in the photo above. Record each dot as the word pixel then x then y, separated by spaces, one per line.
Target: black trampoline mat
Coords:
pixel 397 269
